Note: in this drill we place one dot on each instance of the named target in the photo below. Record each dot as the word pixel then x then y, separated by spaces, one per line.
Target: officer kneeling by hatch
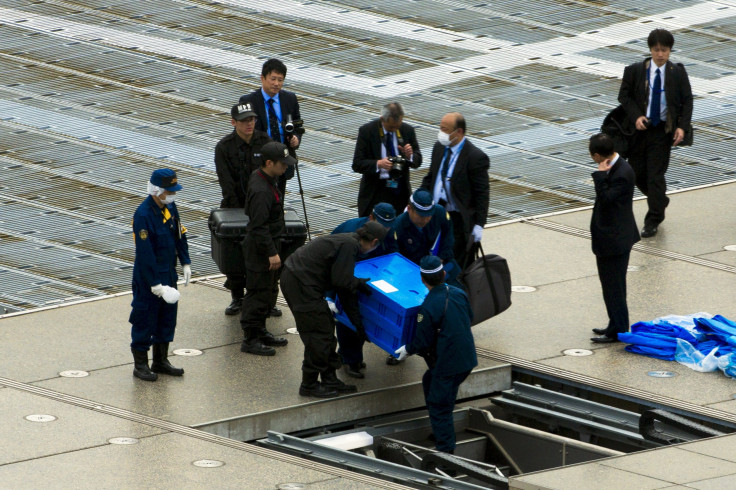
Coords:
pixel 159 239
pixel 326 264
pixel 443 338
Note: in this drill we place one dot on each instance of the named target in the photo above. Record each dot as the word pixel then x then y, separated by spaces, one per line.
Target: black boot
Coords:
pixel 161 362
pixel 332 382
pixel 267 338
pixel 311 387
pixel 255 346
pixel 234 307
pixel 141 369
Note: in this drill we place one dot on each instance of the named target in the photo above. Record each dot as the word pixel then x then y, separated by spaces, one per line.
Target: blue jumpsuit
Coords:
pixel 435 238
pixel 444 339
pixel 158 242
pixel 351 345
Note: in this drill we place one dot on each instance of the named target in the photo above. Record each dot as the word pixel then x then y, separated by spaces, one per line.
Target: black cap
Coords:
pixel 242 111
pixel 277 152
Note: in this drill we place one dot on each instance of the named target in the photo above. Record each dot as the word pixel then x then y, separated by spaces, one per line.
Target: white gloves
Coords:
pixel 477 233
pixel 333 307
pixel 169 294
pixel 401 352
pixel 187 273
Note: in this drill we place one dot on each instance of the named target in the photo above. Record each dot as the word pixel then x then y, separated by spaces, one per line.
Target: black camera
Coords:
pixel 293 126
pixel 398 164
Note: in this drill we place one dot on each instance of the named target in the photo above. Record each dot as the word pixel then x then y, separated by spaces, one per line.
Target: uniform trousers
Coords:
pixel 612 274
pixel 351 344
pixel 153 322
pixel 650 157
pixel 261 292
pixel 440 393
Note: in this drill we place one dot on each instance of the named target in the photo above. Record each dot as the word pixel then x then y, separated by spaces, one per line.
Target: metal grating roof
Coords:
pixel 97 94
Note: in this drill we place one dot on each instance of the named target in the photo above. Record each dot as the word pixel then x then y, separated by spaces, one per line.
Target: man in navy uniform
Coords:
pixel 273 107
pixel 159 239
pixel 351 344
pixel 236 158
pixel 612 231
pixel 378 140
pixel 444 339
pixel 326 263
pixel 264 205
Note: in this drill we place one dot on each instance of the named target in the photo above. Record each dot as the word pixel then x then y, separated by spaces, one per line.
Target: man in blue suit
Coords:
pixel 274 107
pixel 160 239
pixel 443 338
pixel 613 232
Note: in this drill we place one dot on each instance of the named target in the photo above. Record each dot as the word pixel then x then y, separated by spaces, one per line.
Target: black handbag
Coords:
pixel 487 282
pixel 617 126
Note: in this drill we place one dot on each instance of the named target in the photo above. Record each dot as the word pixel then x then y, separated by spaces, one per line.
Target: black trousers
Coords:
pixel 351 344
pixel 398 197
pixel 236 285
pixel 650 157
pixel 461 239
pixel 261 292
pixel 612 274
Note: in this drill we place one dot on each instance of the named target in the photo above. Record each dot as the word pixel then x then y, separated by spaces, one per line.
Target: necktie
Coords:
pixel 444 167
pixel 390 150
pixel 656 96
pixel 273 123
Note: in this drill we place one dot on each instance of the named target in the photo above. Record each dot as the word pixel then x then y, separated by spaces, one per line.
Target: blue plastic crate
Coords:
pixel 390 313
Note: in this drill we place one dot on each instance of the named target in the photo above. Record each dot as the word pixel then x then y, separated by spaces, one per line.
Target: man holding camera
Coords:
pixel 277 111
pixel 385 150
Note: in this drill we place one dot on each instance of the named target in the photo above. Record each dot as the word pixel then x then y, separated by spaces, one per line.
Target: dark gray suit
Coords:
pixel 613 232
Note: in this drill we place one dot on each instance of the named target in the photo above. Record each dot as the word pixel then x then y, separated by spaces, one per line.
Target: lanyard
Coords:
pixel 273 189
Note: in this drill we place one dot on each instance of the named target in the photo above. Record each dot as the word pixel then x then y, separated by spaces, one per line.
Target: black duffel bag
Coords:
pixel 487 281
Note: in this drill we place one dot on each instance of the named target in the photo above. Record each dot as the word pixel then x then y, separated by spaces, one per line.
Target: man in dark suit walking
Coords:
pixel 379 140
pixel 613 232
pixel 458 180
pixel 274 107
pixel 658 100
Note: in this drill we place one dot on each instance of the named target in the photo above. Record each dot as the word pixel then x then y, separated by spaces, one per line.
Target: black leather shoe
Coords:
pixel 648 231
pixel 234 307
pixel 257 348
pixel 339 386
pixel 269 339
pixel 600 331
pixel 275 311
pixel 353 370
pixel 603 340
pixel 317 390
pixel 392 361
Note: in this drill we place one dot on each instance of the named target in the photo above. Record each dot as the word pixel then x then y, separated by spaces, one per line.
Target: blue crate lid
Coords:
pixel 394 271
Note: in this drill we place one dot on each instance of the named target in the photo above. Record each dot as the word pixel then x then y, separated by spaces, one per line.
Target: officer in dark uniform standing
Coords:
pixel 326 264
pixel 264 205
pixel 159 239
pixel 350 343
pixel 444 339
pixel 235 161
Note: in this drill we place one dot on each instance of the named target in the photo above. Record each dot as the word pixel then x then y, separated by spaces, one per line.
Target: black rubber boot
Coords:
pixel 311 387
pixel 141 369
pixel 161 362
pixel 332 382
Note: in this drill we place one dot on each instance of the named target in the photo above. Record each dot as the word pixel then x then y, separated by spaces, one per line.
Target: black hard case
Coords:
pixel 227 230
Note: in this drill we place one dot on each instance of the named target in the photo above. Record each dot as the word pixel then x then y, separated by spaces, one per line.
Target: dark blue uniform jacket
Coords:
pixel 388 246
pixel 415 243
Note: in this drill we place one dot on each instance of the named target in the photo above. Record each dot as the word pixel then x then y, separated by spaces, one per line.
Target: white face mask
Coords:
pixel 168 199
pixel 443 138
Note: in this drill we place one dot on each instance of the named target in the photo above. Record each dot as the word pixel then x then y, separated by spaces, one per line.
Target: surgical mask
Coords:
pixel 168 199
pixel 443 138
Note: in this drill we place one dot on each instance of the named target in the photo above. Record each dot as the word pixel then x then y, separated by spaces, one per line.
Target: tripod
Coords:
pixel 301 194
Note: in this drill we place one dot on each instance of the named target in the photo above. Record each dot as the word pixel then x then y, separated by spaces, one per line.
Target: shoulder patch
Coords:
pixel 420 317
pixel 396 237
pixel 447 215
pixel 143 234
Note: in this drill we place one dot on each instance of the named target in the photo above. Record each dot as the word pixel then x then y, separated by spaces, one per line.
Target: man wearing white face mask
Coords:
pixel 160 239
pixel 458 180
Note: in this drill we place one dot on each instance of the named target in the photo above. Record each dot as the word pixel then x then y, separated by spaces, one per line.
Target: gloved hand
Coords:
pixel 171 295
pixel 333 307
pixel 158 290
pixel 187 273
pixel 363 287
pixel 477 233
pixel 401 353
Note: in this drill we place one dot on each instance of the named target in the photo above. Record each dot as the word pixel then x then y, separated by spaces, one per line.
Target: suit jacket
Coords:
pixel 287 100
pixel 368 152
pixel 468 183
pixel 613 229
pixel 634 94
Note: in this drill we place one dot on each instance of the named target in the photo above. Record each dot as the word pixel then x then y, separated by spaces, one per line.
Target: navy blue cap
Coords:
pixel 384 213
pixel 421 200
pixel 431 264
pixel 165 178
